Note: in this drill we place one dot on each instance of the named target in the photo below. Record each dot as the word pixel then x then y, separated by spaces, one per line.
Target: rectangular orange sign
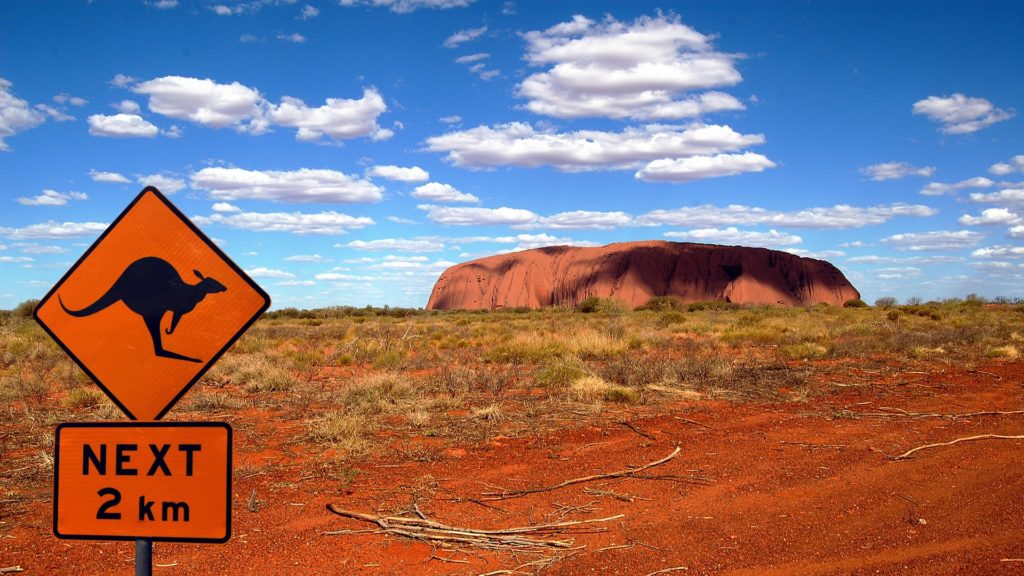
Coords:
pixel 164 481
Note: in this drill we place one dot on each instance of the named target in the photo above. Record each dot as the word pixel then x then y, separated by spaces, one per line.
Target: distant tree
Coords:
pixel 913 301
pixel 26 308
pixel 855 303
pixel 885 302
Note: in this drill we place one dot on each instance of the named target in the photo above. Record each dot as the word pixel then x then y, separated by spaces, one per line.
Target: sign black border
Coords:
pixel 203 238
pixel 227 482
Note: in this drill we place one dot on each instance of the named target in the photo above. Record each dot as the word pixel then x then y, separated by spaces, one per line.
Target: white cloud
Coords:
pixel 65 98
pixel 1007 196
pixel 399 173
pixel 109 177
pixel 309 12
pixel 54 230
pixel 15 259
pixel 438 192
pixel 297 186
pixel 38 249
pixel 164 4
pixel 325 223
pixel 940 188
pixel 700 167
pixel 816 254
pixel 305 258
pixel 519 144
pixel 1016 231
pixel 460 216
pixel 263 272
pixel 584 219
pixel 166 184
pixel 895 171
pixel 53 113
pixel 641 70
pixel 733 235
pixel 960 114
pixel 523 241
pixel 406 6
pixel 897 273
pixel 225 207
pixel 1016 164
pixel 463 36
pixel 453 119
pixel 470 58
pixel 294 38
pixel 396 244
pixel 249 39
pixel 204 101
pixel 338 118
pixel 991 216
pixel 15 114
pixel 121 126
pixel 295 283
pixel 999 251
pixel 400 220
pixel 918 260
pixel 128 107
pixel 840 216
pixel 52 198
pixel 122 80
pixel 938 240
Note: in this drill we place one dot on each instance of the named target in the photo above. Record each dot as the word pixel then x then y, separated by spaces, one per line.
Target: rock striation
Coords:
pixel 634 272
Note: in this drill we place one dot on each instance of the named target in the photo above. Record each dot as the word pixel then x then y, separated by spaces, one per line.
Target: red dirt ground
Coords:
pixel 794 488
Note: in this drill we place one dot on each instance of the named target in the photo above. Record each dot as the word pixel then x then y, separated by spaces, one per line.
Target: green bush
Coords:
pixel 855 303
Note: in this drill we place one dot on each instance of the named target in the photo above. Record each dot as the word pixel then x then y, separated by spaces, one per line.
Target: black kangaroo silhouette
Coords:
pixel 151 287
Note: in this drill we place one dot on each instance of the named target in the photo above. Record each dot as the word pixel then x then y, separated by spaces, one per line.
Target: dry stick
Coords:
pixel 647 435
pixel 901 412
pixel 695 422
pixel 957 441
pixel 620 474
pixel 667 570
pixel 11 569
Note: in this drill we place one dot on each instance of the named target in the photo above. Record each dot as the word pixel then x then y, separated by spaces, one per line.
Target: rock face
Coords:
pixel 633 272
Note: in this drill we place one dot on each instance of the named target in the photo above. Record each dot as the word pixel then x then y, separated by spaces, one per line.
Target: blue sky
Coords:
pixel 347 152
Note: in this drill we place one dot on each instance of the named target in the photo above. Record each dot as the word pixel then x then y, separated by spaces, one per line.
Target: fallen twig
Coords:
pixel 667 570
pixel 695 422
pixel 647 435
pixel 11 570
pixel 957 441
pixel 521 538
pixel 616 495
pixel 620 474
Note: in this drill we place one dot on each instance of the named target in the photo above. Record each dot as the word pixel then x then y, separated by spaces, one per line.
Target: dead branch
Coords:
pixel 687 420
pixel 620 474
pixel 519 538
pixel 647 435
pixel 907 454
pixel 667 570
pixel 11 570
pixel 890 412
pixel 616 495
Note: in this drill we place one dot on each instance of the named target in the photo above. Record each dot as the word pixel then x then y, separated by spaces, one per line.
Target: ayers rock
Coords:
pixel 633 272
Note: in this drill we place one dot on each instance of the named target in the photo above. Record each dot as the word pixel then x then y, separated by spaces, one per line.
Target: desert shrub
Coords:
pixel 603 305
pixel 81 398
pixel 25 309
pixel 1008 352
pixel 885 302
pixel 490 413
pixel 593 344
pixel 391 360
pixel 710 305
pixel 257 373
pixel 210 402
pixel 671 318
pixel 454 380
pixel 525 349
pixel 22 386
pixel 348 432
pixel 661 304
pixel 634 370
pixel 378 394
pixel 560 373
pixel 805 351
pixel 855 303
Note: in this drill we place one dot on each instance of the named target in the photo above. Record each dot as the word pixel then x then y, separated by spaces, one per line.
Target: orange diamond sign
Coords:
pixel 150 306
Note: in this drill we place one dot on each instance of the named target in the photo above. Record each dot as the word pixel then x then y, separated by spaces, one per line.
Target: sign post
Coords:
pixel 145 312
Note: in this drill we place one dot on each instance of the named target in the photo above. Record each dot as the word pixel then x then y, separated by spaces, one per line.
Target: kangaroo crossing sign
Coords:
pixel 150 307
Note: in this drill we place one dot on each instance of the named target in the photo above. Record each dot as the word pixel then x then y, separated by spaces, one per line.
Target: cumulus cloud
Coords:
pixel 216 105
pixel 1016 164
pixel 700 167
pixel 463 36
pixel 15 114
pixel 733 235
pixel 225 207
pixel 121 126
pixel 54 230
pixel 999 251
pixel 991 216
pixel 644 70
pixel 166 184
pixel 520 144
pixel 584 220
pixel 323 223
pixel 938 240
pixel 263 272
pixel 406 6
pixel 840 216
pixel 438 192
pixel 1013 196
pixel 399 173
pixel 918 260
pixel 109 177
pixel 470 58
pixel 396 245
pixel 52 198
pixel 460 216
pixel 960 114
pixel 338 118
pixel 15 259
pixel 294 38
pixel 305 258
pixel 309 12
pixel 895 171
pixel 453 119
pixel 524 241
pixel 297 186
pixel 940 188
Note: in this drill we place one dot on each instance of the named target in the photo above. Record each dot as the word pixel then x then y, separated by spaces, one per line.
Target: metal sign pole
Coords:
pixel 143 557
